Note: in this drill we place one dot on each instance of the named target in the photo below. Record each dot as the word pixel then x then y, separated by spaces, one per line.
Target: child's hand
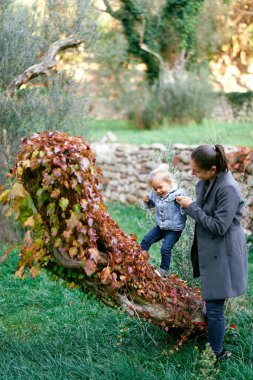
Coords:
pixel 184 201
pixel 145 198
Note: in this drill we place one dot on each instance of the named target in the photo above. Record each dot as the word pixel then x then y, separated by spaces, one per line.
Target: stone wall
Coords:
pixel 126 167
pixel 226 111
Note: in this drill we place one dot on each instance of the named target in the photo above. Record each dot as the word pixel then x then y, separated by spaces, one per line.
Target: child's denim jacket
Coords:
pixel 169 215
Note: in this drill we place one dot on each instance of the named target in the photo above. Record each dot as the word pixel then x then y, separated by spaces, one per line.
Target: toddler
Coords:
pixel 170 218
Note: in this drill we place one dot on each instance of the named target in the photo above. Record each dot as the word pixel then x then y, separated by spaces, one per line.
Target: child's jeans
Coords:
pixel 216 324
pixel 169 239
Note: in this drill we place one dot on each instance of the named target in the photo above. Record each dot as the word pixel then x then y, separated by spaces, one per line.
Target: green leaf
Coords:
pixel 77 208
pixel 54 231
pixel 41 197
pixel 50 208
pixel 25 211
pixel 35 153
pixel 63 203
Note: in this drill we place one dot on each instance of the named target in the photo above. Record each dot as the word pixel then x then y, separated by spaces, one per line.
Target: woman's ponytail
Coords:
pixel 207 156
pixel 222 162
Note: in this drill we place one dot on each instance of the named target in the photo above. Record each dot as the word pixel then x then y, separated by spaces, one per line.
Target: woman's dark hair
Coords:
pixel 206 156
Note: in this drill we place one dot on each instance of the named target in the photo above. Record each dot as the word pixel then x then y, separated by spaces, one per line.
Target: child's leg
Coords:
pixel 170 238
pixel 152 237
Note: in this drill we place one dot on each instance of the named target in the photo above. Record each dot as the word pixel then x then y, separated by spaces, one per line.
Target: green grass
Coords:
pixel 49 332
pixel 235 134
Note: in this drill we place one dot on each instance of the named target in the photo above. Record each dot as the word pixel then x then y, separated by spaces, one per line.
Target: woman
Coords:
pixel 219 252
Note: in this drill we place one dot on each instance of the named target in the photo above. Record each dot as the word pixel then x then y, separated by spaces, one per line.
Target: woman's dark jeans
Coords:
pixel 169 239
pixel 216 324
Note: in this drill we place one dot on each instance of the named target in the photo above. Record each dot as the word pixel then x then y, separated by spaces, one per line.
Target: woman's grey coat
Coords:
pixel 219 251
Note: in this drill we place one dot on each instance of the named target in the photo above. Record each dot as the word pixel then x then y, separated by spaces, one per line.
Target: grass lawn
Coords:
pixel 235 134
pixel 49 332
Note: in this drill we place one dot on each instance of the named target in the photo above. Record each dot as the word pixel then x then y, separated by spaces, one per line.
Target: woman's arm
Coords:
pixel 225 210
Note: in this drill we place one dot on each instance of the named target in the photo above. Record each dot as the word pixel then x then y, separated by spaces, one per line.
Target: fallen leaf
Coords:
pixel 20 272
pixel 34 272
pixel 6 253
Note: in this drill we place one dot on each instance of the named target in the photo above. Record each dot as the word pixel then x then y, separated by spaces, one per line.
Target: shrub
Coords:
pixel 181 98
pixel 241 104
pixel 188 98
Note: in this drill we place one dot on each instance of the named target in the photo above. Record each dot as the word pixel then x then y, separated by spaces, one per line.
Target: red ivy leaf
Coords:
pixel 84 163
pixel 57 172
pixel 94 254
pixel 90 221
pixel 105 276
pixel 55 193
pixel 90 267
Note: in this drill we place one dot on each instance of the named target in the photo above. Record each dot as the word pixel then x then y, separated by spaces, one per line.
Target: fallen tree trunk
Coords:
pixel 70 233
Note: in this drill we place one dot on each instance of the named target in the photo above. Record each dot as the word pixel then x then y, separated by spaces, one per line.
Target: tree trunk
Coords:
pixel 80 242
pixel 7 233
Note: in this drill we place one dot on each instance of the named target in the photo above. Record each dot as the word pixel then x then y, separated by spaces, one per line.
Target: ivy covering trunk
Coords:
pixel 68 231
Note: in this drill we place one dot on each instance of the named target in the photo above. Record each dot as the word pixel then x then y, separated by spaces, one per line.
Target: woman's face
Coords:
pixel 202 173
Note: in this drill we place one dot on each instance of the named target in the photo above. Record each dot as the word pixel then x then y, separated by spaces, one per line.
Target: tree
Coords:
pixel 158 34
pixel 163 36
pixel 175 40
pixel 54 195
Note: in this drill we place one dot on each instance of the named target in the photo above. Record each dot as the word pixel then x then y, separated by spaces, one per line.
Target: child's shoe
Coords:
pixel 162 272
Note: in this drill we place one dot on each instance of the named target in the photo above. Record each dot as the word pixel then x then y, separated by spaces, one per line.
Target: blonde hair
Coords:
pixel 160 173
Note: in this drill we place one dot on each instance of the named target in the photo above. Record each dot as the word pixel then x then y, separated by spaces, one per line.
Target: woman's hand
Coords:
pixel 145 198
pixel 184 201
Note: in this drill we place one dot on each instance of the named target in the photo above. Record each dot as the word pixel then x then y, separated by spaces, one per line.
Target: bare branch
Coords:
pixel 241 15
pixel 145 47
pixel 48 62
pixel 100 10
